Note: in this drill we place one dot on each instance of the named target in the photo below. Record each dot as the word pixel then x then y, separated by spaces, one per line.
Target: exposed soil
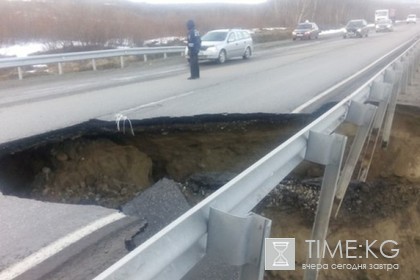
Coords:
pixel 385 208
pixel 110 169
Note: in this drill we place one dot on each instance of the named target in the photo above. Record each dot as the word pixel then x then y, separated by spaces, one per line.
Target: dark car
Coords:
pixel 356 28
pixel 306 30
pixel 384 25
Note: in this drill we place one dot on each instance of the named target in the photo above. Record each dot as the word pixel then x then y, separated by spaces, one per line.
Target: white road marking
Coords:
pixel 128 78
pixel 57 246
pixel 328 91
pixel 156 103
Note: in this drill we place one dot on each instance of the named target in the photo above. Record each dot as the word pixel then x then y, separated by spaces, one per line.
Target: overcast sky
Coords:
pixel 229 1
pixel 201 1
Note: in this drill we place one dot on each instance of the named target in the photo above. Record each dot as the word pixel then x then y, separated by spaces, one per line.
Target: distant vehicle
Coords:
pixel 381 15
pixel 384 25
pixel 385 14
pixel 412 18
pixel 223 44
pixel 356 28
pixel 306 30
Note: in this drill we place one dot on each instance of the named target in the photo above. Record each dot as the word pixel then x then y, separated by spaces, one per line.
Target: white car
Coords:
pixel 411 19
pixel 223 44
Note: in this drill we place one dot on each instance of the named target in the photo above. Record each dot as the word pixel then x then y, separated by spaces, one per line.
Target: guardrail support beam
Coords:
pixel 236 242
pixel 394 77
pixel 20 73
pixel 379 92
pixel 361 115
pixel 60 69
pixel 413 67
pixel 122 62
pixel 329 151
pixel 416 60
pixel 404 78
pixel 93 64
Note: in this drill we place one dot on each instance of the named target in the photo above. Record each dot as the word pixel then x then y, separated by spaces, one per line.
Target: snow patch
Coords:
pixel 21 50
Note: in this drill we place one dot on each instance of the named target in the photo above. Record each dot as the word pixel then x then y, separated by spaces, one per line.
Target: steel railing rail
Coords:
pixel 176 249
pixel 92 55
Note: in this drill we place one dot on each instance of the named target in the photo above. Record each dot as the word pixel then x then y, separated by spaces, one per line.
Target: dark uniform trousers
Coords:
pixel 194 68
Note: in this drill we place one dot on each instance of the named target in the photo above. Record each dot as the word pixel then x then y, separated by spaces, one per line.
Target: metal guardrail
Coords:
pixel 217 225
pixel 92 55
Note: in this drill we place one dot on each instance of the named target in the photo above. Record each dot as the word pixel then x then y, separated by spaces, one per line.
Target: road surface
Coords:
pixel 277 81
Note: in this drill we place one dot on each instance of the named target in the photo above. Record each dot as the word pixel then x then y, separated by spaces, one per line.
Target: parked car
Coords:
pixel 223 44
pixel 306 30
pixel 356 28
pixel 384 25
pixel 412 18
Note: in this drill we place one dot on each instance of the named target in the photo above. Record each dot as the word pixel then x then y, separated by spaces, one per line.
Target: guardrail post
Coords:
pixel 145 58
pixel 404 80
pixel 122 61
pixel 393 77
pixel 329 151
pixel 20 73
pixel 408 67
pixel 93 64
pixel 416 59
pixel 413 66
pixel 228 244
pixel 165 55
pixel 399 68
pixel 60 69
pixel 361 115
pixel 379 92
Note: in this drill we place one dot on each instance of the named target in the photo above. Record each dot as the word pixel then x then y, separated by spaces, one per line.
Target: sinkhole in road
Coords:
pixel 96 164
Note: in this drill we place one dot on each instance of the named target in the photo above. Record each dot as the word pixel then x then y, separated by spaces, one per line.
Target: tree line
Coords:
pixel 115 22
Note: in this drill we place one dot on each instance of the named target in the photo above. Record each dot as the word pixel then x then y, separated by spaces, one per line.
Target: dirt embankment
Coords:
pixel 385 208
pixel 401 160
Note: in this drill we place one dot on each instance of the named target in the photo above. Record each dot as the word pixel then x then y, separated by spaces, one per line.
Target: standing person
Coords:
pixel 194 44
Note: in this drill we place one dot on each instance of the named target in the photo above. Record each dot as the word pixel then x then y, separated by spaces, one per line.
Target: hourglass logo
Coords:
pixel 279 254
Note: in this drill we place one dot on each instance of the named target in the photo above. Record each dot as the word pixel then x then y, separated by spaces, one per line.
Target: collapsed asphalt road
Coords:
pixel 106 167
pixel 109 168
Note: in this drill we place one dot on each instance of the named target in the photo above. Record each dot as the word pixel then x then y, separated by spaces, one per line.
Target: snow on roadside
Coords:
pixel 25 49
pixel 21 50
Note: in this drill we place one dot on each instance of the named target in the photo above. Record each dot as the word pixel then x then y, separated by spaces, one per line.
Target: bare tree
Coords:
pixel 93 23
